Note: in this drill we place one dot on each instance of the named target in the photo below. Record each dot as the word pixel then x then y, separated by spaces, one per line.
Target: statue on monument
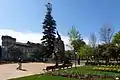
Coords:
pixel 59 48
pixel 59 37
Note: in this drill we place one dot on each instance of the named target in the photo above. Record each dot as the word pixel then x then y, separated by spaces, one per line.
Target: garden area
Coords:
pixel 102 72
pixel 102 59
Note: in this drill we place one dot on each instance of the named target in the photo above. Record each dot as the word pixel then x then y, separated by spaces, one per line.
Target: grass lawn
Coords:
pixel 79 70
pixel 87 70
pixel 106 79
pixel 43 77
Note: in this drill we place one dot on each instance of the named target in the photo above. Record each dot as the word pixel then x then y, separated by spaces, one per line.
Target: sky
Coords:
pixel 23 19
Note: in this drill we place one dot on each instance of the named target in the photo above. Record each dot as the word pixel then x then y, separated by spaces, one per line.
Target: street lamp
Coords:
pixel 75 58
pixel 117 78
pixel 92 57
pixel 56 56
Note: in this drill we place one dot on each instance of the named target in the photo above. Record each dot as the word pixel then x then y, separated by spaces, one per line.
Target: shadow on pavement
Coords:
pixel 22 69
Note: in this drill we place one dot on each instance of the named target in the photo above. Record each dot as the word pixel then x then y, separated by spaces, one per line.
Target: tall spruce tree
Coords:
pixel 49 26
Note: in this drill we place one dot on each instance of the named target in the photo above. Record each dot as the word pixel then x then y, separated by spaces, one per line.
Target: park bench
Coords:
pixel 50 68
pixel 68 65
pixel 53 68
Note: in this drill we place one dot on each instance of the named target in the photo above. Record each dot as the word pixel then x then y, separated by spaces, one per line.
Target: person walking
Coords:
pixel 19 64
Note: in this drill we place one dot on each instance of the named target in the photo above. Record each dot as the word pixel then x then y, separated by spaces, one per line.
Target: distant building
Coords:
pixel 28 48
pixel 8 42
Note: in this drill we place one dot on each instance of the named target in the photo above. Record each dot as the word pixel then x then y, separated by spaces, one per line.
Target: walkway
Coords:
pixel 8 71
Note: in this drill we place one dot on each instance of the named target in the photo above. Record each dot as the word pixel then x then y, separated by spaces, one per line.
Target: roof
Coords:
pixel 22 44
pixel 33 44
pixel 8 37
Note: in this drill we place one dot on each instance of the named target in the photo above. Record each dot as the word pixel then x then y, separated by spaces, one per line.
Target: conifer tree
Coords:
pixel 49 26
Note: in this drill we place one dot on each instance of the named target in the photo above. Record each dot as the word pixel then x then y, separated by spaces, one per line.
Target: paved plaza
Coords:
pixel 8 71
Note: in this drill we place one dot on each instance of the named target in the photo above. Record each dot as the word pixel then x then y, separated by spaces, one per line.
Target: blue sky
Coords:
pixel 86 15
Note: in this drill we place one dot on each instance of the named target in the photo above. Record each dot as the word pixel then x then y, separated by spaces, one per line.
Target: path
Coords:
pixel 8 71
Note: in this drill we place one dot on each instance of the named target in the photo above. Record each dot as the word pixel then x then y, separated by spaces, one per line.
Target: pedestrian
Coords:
pixel 19 64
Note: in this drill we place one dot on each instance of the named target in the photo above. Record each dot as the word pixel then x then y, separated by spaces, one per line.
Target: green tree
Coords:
pixel 93 44
pixel 117 53
pixel 67 56
pixel 107 51
pixel 74 34
pixel 75 41
pixel 102 52
pixel 49 26
pixel 113 51
pixel 101 48
pixel 86 51
pixel 116 42
pixel 77 44
pixel 116 39
pixel 106 34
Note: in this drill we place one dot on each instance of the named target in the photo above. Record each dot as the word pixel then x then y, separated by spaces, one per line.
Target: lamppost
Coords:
pixel 75 58
pixel 56 56
pixel 117 78
pixel 92 57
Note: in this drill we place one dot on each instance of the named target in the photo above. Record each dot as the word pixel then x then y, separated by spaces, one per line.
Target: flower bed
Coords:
pixel 80 76
pixel 85 72
pixel 100 63
pixel 109 68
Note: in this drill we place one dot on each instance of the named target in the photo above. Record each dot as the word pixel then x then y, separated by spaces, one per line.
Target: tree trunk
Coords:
pixel 56 63
pixel 79 60
pixel 117 60
pixel 56 58
pixel 87 59
pixel 107 61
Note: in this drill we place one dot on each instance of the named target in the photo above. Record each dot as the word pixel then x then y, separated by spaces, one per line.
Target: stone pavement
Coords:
pixel 8 71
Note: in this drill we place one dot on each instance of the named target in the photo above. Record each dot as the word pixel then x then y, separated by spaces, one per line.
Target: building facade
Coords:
pixel 26 48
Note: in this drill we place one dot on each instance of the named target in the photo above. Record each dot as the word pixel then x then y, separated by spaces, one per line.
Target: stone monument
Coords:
pixel 59 48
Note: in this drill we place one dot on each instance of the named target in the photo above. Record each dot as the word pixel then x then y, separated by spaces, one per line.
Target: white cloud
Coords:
pixel 66 41
pixel 27 36
pixel 86 40
pixel 30 36
pixel 21 37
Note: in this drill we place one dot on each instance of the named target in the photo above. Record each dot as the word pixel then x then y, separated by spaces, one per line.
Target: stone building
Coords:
pixel 29 48
pixel 26 48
